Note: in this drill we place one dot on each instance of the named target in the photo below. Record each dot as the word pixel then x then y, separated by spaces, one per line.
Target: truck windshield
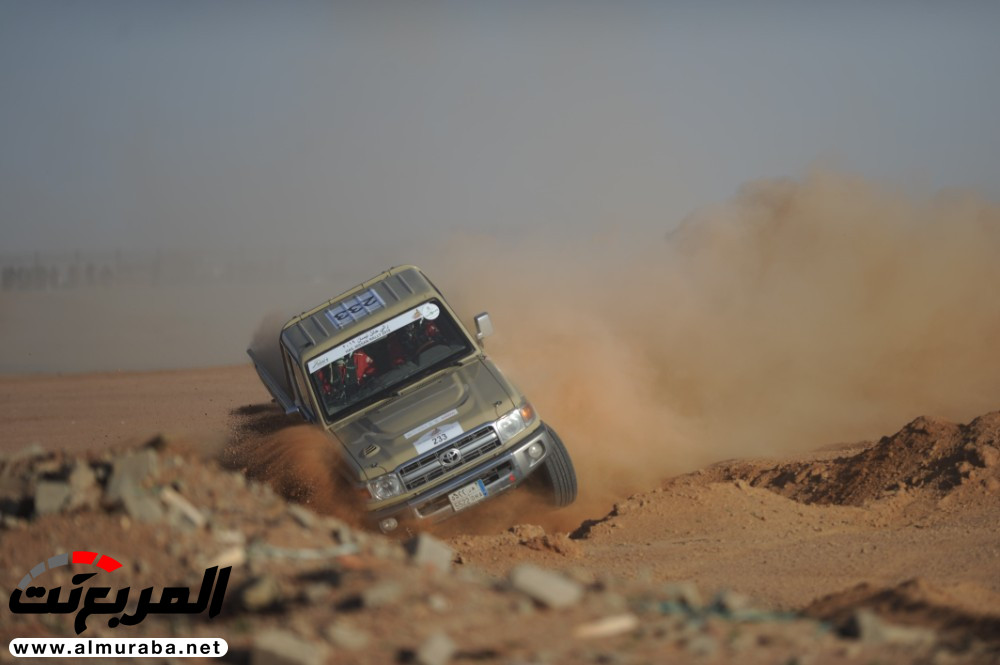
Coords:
pixel 385 358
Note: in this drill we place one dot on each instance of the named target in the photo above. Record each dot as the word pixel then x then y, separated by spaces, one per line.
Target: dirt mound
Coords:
pixel 306 588
pixel 311 588
pixel 926 456
pixel 915 603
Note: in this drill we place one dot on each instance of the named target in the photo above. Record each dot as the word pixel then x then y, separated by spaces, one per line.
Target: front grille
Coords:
pixel 498 473
pixel 473 445
pixel 440 503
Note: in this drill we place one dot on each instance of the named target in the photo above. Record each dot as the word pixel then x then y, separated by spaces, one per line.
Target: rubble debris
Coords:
pixel 731 602
pixel 83 486
pixel 607 627
pixel 437 649
pixel 382 593
pixel 140 504
pixel 234 556
pixel 308 588
pixel 684 593
pixel 180 511
pixel 266 551
pixel 868 627
pixel 305 517
pixel 426 551
pixel 129 472
pixel 281 647
pixel 545 587
pixel 345 635
pixel 261 593
pixel 51 496
pixel 702 646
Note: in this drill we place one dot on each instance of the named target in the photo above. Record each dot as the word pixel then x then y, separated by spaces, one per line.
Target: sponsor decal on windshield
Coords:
pixel 378 332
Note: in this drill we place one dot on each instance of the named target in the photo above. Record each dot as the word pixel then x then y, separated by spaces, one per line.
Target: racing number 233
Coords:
pixel 357 308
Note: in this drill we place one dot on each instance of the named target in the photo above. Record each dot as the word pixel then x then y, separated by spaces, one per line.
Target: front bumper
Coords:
pixel 498 474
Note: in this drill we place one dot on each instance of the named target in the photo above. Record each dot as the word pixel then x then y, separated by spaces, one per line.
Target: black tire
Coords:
pixel 558 474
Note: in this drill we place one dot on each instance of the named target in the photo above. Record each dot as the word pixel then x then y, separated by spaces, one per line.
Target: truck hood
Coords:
pixel 457 399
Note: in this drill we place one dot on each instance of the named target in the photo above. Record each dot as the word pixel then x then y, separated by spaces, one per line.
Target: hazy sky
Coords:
pixel 257 124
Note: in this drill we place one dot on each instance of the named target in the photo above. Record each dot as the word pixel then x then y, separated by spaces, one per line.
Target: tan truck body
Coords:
pixel 426 423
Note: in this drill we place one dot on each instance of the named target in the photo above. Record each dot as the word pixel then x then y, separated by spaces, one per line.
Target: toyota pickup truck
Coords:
pixel 427 425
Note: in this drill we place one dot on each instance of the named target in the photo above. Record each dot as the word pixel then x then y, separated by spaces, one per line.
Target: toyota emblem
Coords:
pixel 450 458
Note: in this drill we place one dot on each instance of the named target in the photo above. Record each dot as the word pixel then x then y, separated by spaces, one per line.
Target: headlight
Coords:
pixel 385 487
pixel 515 422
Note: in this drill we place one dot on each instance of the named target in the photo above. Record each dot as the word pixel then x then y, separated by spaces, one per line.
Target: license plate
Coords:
pixel 467 496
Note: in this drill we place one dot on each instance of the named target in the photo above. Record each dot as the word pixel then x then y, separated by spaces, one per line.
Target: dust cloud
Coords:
pixel 298 463
pixel 799 313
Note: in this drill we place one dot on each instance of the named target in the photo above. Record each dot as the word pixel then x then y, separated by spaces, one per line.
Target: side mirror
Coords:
pixel 484 326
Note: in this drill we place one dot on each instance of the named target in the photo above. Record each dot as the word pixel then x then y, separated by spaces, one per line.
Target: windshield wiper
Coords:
pixel 379 397
pixel 363 404
pixel 378 401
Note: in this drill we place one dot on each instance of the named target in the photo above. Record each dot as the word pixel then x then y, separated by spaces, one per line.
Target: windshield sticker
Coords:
pixel 437 436
pixel 430 423
pixel 365 338
pixel 354 308
pixel 430 311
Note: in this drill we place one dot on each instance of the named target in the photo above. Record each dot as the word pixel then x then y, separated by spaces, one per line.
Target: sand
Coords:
pixel 907 523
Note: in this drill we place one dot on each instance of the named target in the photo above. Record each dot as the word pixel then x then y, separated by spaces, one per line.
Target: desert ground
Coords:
pixel 876 551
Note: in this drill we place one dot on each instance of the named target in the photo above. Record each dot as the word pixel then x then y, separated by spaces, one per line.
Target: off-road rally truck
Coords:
pixel 428 426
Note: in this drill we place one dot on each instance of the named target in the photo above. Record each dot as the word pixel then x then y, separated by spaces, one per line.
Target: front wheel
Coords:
pixel 557 473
